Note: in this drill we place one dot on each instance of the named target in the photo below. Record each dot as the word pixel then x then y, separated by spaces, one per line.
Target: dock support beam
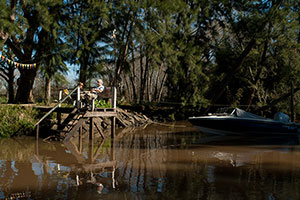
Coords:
pixel 91 129
pixel 113 127
pixel 114 106
pixel 91 140
pixel 80 140
pixel 37 130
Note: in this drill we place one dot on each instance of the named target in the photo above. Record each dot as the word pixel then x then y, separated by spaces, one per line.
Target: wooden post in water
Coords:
pixel 37 147
pixel 91 129
pixel 292 102
pixel 114 105
pixel 37 132
pixel 91 140
pixel 80 139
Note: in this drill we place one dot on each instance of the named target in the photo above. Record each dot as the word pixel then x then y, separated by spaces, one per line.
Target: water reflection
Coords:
pixel 155 162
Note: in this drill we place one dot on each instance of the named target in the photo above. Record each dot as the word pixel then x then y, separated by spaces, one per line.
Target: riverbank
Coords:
pixel 162 113
pixel 17 120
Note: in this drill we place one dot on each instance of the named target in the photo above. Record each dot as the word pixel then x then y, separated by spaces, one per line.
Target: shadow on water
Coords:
pixel 151 162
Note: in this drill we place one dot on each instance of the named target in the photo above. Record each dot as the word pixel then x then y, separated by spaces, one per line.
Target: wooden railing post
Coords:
pixel 93 104
pixel 60 97
pixel 78 98
pixel 50 111
pixel 91 140
pixel 114 93
pixel 58 117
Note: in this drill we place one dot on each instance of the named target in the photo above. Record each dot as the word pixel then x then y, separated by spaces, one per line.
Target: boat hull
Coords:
pixel 243 126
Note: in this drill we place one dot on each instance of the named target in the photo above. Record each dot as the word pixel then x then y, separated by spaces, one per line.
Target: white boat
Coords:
pixel 240 122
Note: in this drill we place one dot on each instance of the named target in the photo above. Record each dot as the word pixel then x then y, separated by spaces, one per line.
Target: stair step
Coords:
pixel 66 125
pixel 62 131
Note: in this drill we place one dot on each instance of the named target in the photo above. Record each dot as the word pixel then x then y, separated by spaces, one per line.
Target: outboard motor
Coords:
pixel 280 116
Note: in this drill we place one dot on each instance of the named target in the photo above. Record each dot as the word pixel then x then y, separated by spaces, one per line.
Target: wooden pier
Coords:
pixel 79 115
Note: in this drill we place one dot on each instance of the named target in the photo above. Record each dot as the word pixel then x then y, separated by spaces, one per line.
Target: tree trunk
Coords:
pixel 159 73
pixel 83 72
pixel 24 92
pixel 11 92
pixel 150 86
pixel 48 90
pixel 141 74
pixel 162 86
pixel 143 80
pixel 133 77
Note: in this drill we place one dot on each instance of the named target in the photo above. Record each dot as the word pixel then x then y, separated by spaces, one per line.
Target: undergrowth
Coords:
pixel 16 120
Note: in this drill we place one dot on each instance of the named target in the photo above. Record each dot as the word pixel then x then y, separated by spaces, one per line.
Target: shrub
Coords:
pixel 16 120
pixel 102 104
pixel 3 99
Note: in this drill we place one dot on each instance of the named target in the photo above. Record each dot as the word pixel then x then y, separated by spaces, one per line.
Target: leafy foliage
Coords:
pixel 15 120
pixel 192 53
pixel 102 103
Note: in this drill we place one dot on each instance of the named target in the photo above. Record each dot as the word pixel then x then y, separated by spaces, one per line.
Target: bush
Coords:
pixel 3 99
pixel 16 120
pixel 102 104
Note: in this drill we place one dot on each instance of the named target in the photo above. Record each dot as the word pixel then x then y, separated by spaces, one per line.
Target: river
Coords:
pixel 172 161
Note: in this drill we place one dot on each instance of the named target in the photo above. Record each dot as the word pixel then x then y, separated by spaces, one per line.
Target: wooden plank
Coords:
pixel 72 148
pixel 98 150
pixel 105 109
pixel 37 132
pixel 97 121
pixel 100 114
pixel 93 167
pixel 113 127
pixel 80 140
pixel 74 130
pixel 121 122
pixel 92 129
pixel 58 117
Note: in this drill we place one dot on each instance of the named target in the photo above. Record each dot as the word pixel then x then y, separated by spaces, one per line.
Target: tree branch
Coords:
pixel 4 77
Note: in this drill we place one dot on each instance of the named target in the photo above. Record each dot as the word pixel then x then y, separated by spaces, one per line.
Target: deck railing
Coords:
pixel 58 105
pixel 78 104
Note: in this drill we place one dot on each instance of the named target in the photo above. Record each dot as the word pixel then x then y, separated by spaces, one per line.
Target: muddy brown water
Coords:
pixel 153 162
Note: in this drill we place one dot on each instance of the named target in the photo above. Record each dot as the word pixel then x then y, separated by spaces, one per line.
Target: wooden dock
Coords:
pixel 80 115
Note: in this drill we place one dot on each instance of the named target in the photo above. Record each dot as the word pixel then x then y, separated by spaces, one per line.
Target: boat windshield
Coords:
pixel 223 111
pixel 235 112
pixel 241 113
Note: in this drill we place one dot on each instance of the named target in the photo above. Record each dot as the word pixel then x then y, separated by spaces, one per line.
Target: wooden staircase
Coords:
pixel 78 117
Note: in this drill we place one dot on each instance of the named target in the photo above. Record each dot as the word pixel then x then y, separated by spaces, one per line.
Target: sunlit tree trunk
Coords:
pixel 48 90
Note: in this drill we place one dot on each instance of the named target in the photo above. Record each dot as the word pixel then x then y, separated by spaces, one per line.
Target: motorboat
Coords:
pixel 240 122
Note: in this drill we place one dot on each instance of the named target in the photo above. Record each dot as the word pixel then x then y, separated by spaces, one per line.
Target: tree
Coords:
pixel 243 54
pixel 86 32
pixel 52 46
pixel 33 19
pixel 7 74
pixel 7 20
